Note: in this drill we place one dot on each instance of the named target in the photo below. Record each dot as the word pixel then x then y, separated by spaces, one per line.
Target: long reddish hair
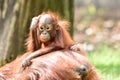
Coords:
pixel 61 35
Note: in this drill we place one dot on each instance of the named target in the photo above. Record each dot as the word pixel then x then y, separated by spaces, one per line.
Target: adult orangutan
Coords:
pixel 47 34
pixel 57 65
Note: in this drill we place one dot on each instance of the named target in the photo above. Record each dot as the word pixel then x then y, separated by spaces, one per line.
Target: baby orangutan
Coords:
pixel 47 34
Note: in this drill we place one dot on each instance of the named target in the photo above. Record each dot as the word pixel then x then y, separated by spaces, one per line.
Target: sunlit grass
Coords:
pixel 107 62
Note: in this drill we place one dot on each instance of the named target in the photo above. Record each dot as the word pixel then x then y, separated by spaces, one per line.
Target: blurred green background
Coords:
pixel 97 26
pixel 94 23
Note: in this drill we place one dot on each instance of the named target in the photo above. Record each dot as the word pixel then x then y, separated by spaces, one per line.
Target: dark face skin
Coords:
pixel 46 27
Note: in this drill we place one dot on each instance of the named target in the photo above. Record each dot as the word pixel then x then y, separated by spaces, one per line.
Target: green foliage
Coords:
pixel 107 62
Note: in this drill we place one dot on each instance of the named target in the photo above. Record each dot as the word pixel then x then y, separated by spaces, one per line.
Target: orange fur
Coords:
pixel 62 37
pixel 59 65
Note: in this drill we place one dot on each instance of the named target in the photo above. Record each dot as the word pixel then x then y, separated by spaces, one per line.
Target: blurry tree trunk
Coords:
pixel 15 18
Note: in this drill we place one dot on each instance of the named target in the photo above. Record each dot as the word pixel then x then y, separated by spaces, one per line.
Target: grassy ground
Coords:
pixel 107 61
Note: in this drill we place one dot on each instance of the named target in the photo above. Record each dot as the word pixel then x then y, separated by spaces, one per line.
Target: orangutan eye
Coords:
pixel 41 28
pixel 49 27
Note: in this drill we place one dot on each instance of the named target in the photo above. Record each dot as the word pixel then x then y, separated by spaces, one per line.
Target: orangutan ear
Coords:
pixel 57 27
